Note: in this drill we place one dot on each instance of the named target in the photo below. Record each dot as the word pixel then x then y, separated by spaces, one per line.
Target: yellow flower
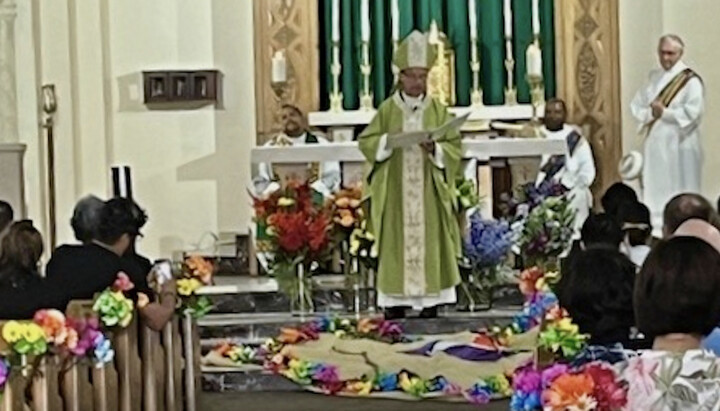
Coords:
pixel 187 286
pixel 566 325
pixel 33 333
pixel 12 332
pixel 285 202
pixel 360 387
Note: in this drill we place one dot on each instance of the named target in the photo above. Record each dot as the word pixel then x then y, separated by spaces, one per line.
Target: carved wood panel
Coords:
pixel 289 25
pixel 588 73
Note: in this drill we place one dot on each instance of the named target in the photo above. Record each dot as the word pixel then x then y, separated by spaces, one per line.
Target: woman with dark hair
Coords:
pixel 676 301
pixel 597 293
pixel 22 248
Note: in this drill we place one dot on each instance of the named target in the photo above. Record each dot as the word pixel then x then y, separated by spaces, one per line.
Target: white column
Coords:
pixel 8 92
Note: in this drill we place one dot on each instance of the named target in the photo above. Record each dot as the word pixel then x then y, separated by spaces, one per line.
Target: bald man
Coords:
pixel 669 109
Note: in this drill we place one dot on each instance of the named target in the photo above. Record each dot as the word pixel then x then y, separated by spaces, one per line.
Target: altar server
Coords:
pixel 411 192
pixel 576 169
pixel 325 176
pixel 669 109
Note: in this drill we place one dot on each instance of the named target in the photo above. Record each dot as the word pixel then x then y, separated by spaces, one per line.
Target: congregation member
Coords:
pixel 615 196
pixel 325 177
pixel 676 301
pixel 22 289
pixel 684 207
pixel 84 271
pixel 669 110
pixel 637 231
pixel 85 218
pixel 411 194
pixel 575 170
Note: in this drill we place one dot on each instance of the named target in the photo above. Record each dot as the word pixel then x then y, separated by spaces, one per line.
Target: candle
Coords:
pixel 507 14
pixel 279 67
pixel 365 23
pixel 533 60
pixel 536 17
pixel 336 20
pixel 395 16
pixel 472 15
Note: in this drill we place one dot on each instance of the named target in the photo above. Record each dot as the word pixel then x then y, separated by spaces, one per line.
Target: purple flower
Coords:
pixel 488 242
pixel 527 380
pixel 325 373
pixel 390 329
pixel 4 373
pixel 478 394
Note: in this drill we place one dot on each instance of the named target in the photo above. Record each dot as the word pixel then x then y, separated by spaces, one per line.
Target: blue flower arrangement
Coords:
pixel 488 242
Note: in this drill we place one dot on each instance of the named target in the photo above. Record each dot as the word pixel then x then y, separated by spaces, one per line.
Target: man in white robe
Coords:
pixel 295 132
pixel 669 109
pixel 576 169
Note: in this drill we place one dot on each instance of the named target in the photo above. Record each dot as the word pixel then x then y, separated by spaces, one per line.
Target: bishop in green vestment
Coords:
pixel 411 191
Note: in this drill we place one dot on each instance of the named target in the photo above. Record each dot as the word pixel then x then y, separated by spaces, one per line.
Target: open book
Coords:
pixel 412 138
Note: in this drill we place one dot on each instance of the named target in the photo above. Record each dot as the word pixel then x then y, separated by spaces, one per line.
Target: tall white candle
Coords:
pixel 536 17
pixel 336 20
pixel 365 20
pixel 395 16
pixel 533 60
pixel 279 67
pixel 472 15
pixel 507 14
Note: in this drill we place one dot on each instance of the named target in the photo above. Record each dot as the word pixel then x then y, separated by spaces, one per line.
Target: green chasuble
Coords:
pixel 412 201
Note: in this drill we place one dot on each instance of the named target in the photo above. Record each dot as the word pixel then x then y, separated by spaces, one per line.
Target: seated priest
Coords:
pixel 576 169
pixel 410 191
pixel 325 177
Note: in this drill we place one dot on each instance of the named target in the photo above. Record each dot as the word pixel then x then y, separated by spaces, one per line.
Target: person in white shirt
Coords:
pixel 634 218
pixel 669 109
pixel 326 175
pixel 574 170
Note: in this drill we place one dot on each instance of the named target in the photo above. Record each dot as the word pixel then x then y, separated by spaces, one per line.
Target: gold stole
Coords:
pixel 669 92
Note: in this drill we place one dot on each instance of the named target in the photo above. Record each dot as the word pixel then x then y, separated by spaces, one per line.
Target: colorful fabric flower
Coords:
pixel 412 385
pixel 122 283
pixel 386 382
pixel 53 324
pixel 188 286
pixel 12 332
pixel 114 309
pixel 4 373
pixel 102 350
pixel 567 391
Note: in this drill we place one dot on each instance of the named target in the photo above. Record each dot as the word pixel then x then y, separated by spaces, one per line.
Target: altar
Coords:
pixel 480 151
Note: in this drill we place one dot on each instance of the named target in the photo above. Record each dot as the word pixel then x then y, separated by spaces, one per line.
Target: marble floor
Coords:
pixel 301 401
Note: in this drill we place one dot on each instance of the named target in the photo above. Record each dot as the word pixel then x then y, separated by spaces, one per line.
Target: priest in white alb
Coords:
pixel 324 177
pixel 669 109
pixel 576 169
pixel 412 200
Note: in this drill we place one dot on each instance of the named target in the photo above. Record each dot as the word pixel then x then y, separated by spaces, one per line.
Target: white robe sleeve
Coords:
pixel 383 152
pixel 438 157
pixel 687 107
pixel 640 104
pixel 580 168
pixel 329 180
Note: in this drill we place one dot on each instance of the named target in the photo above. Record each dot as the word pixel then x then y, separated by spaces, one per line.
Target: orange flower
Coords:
pixel 568 390
pixel 528 279
pixel 342 202
pixel 367 325
pixel 53 325
pixel 200 268
pixel 290 336
pixel 346 218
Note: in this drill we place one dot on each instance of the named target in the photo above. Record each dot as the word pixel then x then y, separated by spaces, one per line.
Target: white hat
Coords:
pixel 631 166
pixel 415 50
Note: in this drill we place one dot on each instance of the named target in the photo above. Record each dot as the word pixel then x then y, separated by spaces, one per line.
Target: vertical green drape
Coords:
pixel 451 17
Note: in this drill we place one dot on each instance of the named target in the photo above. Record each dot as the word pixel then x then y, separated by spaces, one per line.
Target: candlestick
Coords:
pixel 279 67
pixel 366 99
pixel 336 96
pixel 336 21
pixel 533 60
pixel 535 75
pixel 365 20
pixel 476 95
pixel 472 17
pixel 507 15
pixel 395 16
pixel 510 91
pixel 536 17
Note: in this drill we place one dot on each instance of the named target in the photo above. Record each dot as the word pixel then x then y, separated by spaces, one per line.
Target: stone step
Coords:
pixel 221 379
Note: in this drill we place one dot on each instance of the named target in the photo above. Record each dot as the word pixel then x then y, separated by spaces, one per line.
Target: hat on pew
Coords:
pixel 415 51
pixel 631 166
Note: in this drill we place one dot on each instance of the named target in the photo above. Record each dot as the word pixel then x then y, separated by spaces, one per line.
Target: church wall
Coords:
pixel 190 166
pixel 641 24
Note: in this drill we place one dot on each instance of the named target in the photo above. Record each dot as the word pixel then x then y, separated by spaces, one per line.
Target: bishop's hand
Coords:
pixel 429 147
pixel 657 109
